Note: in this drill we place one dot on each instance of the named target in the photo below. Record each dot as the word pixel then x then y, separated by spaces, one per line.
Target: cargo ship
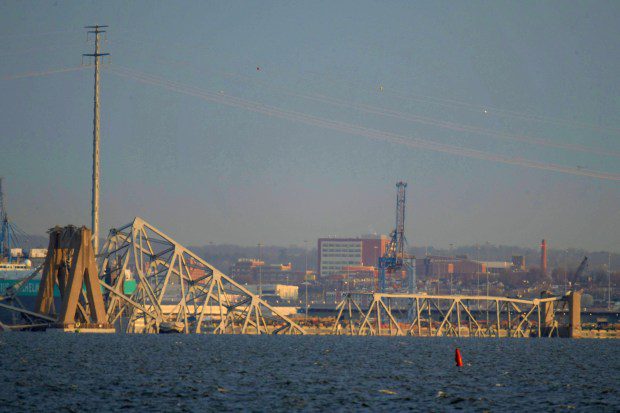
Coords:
pixel 11 273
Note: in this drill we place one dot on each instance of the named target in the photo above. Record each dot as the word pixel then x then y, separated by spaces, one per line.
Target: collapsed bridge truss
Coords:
pixel 177 290
pixel 446 315
pixel 153 284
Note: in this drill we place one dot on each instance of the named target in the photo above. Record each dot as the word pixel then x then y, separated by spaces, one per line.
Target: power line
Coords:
pixel 434 100
pixel 356 129
pixel 48 33
pixel 45 73
pixel 58 32
pixel 435 122
pixel 439 101
pixel 439 122
pixel 477 108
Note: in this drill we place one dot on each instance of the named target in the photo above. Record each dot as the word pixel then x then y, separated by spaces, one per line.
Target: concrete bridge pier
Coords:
pixel 574 314
pixel 549 323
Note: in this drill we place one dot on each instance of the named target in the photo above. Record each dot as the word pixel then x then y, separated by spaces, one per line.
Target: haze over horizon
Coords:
pixel 244 122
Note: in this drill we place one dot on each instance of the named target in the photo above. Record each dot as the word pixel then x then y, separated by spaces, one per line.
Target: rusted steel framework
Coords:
pixel 447 315
pixel 177 290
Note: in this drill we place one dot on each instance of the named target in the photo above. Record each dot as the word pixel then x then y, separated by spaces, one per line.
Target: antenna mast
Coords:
pixel 96 30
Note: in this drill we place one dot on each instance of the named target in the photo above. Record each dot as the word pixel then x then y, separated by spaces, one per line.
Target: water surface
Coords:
pixel 80 372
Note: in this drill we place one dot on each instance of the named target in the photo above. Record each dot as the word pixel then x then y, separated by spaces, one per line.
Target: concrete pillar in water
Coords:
pixel 574 312
pixel 548 313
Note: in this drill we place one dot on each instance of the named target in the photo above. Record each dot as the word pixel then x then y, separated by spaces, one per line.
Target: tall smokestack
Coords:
pixel 543 258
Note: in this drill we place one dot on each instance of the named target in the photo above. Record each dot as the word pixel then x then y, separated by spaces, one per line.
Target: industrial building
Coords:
pixel 250 271
pixel 439 267
pixel 498 267
pixel 518 263
pixel 280 291
pixel 352 278
pixel 462 267
pixel 334 254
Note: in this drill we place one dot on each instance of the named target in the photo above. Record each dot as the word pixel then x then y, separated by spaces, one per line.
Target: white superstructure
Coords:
pixel 15 271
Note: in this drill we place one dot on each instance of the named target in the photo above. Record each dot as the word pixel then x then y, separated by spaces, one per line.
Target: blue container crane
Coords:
pixel 10 234
pixel 395 259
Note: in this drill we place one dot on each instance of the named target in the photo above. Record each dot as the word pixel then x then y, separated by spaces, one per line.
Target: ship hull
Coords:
pixel 28 296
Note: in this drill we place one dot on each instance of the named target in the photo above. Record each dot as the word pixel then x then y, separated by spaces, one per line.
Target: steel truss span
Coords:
pixel 446 315
pixel 176 290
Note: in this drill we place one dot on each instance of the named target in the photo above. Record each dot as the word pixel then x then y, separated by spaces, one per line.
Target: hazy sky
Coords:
pixel 493 112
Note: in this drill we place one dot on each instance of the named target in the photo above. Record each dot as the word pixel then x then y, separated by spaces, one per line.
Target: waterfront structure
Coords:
pixel 334 254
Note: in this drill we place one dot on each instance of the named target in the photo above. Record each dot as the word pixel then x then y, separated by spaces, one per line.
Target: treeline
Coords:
pixel 224 256
pixel 555 258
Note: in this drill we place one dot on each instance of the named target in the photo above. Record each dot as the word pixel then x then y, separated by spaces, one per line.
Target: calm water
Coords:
pixel 73 372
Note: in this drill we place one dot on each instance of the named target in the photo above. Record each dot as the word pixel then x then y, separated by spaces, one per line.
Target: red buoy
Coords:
pixel 458 359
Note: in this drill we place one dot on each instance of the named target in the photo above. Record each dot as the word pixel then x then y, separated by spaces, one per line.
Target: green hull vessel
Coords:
pixel 32 288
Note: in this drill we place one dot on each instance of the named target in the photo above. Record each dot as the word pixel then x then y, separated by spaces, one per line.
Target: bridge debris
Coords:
pixel 175 287
pixel 143 281
pixel 396 314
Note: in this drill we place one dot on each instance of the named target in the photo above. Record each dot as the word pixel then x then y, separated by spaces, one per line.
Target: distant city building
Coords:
pixel 17 253
pixel 518 262
pixel 440 267
pixel 281 291
pixel 497 267
pixel 250 271
pixel 196 270
pixel 448 270
pixel 352 278
pixel 336 253
pixel 37 253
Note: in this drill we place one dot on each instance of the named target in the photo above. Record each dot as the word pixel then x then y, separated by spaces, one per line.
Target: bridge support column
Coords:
pixel 548 314
pixel 70 265
pixel 574 311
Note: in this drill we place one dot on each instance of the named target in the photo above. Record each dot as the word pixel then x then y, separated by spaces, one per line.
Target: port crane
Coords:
pixel 583 266
pixel 10 234
pixel 6 230
pixel 395 261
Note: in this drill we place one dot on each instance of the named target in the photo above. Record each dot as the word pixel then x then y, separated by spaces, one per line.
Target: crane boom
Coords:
pixel 580 270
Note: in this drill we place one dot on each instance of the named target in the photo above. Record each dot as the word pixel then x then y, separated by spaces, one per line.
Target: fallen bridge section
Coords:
pixel 176 290
pixel 455 315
